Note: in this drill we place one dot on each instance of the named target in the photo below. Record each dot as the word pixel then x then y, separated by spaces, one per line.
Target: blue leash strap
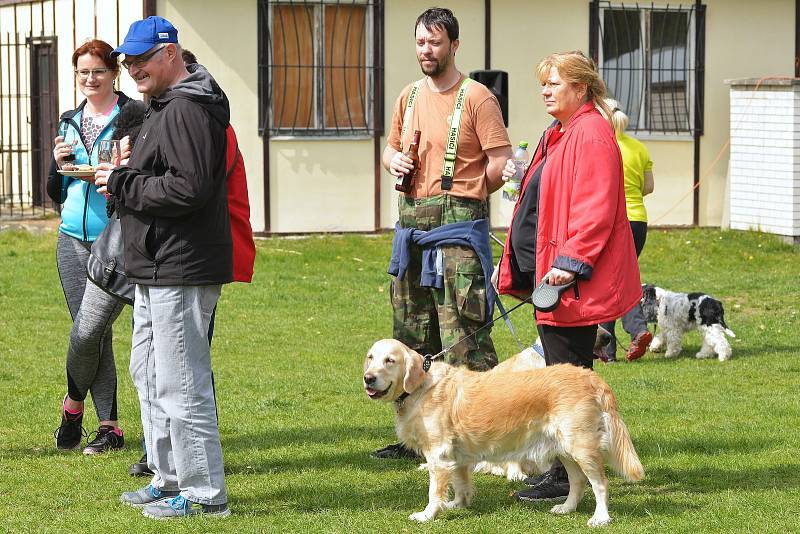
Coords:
pixel 508 323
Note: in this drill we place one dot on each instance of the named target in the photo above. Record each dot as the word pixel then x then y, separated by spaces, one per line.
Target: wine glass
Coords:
pixel 108 151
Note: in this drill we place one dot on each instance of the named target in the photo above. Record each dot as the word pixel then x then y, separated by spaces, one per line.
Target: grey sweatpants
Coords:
pixel 90 356
pixel 171 369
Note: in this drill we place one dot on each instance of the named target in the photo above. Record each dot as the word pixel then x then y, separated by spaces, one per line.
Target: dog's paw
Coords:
pixel 421 517
pixel 562 509
pixel 489 468
pixel 599 520
pixel 672 353
pixel 514 472
pixel 422 467
pixel 454 504
pixel 724 356
pixel 656 345
pixel 703 355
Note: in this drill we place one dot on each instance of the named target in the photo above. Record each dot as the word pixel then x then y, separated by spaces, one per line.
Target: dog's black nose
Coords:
pixel 369 379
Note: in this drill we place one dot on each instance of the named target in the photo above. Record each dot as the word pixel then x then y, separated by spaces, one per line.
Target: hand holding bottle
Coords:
pixel 513 185
pixel 405 181
pixel 400 164
pixel 509 170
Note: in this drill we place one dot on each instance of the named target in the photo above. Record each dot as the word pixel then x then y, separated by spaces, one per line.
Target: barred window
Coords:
pixel 648 58
pixel 319 67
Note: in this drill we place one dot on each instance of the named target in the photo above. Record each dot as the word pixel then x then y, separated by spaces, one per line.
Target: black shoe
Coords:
pixel 105 439
pixel 395 452
pixel 140 469
pixel 69 434
pixel 554 491
pixel 548 477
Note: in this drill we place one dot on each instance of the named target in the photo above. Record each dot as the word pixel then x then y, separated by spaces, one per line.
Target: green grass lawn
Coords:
pixel 719 441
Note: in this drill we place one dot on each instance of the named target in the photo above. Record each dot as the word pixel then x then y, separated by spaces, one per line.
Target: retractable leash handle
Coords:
pixel 546 297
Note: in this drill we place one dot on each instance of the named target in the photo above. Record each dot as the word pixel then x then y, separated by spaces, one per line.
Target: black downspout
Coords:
pixel 487 30
pixel 148 8
pixel 377 109
pixel 594 31
pixel 699 66
pixel 264 33
pixel 487 64
pixel 797 39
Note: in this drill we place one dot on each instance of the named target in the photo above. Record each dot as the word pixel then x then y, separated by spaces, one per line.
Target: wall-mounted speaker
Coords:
pixel 497 82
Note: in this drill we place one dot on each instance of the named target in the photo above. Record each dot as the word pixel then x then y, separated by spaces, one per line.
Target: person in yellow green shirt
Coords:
pixel 638 170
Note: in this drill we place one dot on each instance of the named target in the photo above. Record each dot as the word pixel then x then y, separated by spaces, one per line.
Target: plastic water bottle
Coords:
pixel 512 187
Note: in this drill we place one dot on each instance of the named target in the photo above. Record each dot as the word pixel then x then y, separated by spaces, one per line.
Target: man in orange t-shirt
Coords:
pixel 429 319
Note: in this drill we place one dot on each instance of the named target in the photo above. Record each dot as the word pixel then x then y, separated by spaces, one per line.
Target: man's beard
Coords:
pixel 438 67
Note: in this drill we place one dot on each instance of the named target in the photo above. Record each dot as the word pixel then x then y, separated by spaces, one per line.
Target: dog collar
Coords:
pixel 426 366
pixel 399 400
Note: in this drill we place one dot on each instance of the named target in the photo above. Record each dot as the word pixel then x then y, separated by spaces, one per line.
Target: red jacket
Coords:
pixel 244 249
pixel 582 224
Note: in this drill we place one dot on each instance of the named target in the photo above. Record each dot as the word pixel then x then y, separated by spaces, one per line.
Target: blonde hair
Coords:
pixel 618 118
pixel 574 67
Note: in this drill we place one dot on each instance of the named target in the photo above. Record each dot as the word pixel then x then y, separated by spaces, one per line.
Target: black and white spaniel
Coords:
pixel 677 313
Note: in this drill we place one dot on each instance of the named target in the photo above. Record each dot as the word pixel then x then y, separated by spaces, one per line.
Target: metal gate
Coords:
pixel 28 119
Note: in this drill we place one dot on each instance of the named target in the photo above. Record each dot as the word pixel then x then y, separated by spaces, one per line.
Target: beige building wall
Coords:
pixel 328 184
pixel 523 33
pixel 232 58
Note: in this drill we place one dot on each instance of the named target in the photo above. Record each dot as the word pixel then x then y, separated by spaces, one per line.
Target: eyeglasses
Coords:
pixel 138 61
pixel 84 74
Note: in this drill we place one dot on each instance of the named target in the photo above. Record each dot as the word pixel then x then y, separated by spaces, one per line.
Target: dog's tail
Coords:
pixel 621 454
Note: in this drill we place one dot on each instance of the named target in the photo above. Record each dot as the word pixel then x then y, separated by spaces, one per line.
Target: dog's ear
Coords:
pixel 414 372
pixel 711 312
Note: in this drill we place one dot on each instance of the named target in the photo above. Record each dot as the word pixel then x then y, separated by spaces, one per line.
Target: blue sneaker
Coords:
pixel 181 507
pixel 146 495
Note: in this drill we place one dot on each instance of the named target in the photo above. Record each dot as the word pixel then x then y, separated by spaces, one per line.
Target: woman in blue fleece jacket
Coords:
pixel 90 357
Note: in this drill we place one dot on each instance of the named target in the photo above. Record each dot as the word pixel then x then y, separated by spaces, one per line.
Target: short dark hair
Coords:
pixel 439 17
pixel 188 57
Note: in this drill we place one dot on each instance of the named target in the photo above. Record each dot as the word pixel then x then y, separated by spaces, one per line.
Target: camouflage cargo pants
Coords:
pixel 429 319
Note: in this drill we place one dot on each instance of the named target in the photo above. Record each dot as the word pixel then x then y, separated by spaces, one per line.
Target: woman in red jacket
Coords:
pixel 570 224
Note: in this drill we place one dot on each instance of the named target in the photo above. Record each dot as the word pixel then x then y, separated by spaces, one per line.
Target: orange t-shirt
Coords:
pixel 481 129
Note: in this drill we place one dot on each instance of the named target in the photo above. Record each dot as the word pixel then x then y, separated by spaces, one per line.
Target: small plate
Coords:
pixel 78 173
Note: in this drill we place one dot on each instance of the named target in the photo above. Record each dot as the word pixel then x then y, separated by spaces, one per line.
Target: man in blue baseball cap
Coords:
pixel 172 201
pixel 145 34
pixel 146 40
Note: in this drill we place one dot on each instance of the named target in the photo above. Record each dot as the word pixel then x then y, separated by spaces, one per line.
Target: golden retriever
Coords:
pixel 526 360
pixel 457 418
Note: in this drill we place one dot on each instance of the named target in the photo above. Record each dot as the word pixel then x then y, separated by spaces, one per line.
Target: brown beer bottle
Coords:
pixel 405 182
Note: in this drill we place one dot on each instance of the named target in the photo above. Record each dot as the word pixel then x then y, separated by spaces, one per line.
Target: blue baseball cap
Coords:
pixel 145 34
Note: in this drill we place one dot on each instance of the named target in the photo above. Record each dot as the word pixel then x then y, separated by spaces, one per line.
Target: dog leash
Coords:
pixel 428 359
pixel 503 313
pixel 619 344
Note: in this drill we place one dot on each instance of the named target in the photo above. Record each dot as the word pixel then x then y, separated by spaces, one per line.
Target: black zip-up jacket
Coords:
pixel 172 195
